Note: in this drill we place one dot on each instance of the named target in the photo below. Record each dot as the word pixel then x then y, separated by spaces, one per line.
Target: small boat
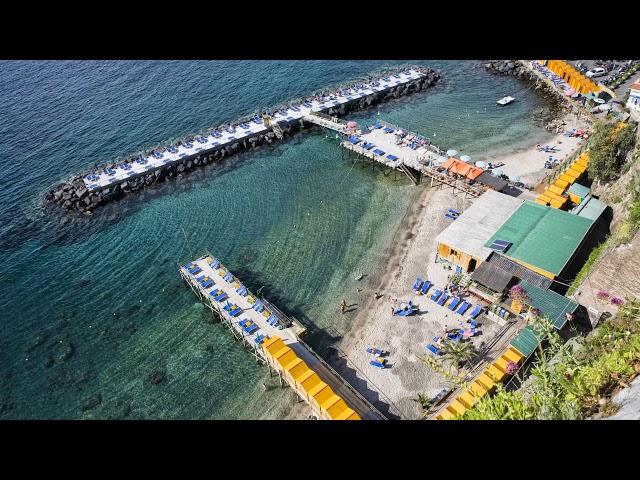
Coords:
pixel 505 101
pixel 359 276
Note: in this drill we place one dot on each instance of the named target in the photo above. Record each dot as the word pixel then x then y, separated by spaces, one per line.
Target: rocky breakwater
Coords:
pixel 74 196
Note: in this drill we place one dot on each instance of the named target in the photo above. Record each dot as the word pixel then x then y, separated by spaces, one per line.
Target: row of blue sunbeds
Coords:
pixel 234 310
pixel 456 305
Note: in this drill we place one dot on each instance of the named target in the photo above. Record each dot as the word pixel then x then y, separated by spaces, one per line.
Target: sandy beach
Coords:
pixel 528 163
pixel 413 254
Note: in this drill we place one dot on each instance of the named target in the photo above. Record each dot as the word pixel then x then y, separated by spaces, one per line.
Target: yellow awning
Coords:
pixel 309 384
pixel 321 393
pixel 303 376
pixel 287 357
pixel 334 405
pixel 348 414
pixel 298 369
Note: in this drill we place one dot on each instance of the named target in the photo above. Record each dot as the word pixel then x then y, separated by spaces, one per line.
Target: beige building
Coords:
pixel 463 242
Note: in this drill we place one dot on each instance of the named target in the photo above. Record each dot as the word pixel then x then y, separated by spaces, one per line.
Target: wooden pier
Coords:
pixel 423 162
pixel 262 327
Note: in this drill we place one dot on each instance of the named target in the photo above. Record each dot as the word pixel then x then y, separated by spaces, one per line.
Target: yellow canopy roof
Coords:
pixel 337 408
pixel 302 377
pixel 287 356
pixel 309 384
pixel 320 393
pixel 329 402
pixel 270 341
pixel 292 364
pixel 299 368
pixel 348 414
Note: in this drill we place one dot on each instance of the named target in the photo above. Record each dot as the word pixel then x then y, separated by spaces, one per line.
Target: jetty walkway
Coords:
pixel 274 339
pixel 87 192
pixel 410 153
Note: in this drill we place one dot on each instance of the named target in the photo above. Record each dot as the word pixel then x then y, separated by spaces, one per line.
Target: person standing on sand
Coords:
pixel 343 306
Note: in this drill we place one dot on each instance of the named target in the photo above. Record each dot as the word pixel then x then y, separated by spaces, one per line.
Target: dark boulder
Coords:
pixel 92 402
pixel 157 376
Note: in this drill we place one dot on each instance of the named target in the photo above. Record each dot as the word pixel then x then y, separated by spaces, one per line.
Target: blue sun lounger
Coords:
pixel 251 328
pixel 354 140
pixel 377 151
pixel 194 270
pixel 215 264
pixel 443 299
pixel 221 297
pixel 425 287
pixel 417 285
pixel 455 337
pixel 436 294
pixel 228 277
pixel 235 311
pixel 393 158
pixel 453 217
pixel 463 308
pixel 454 303
pixel 388 130
pixel 272 320
pixel 207 284
pixel 368 146
pixel 259 306
pixel 455 212
pixel 294 108
pixel 378 363
pixel 242 291
pixel 475 312
pixel 433 349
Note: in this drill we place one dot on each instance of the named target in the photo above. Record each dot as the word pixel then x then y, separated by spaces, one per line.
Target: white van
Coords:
pixel 596 72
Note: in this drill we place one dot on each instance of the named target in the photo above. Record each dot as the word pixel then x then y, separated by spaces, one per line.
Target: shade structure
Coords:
pixel 481 165
pixel 465 158
pixel 452 152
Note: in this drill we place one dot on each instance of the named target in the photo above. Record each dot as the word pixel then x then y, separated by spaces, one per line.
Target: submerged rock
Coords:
pixel 157 376
pixel 92 402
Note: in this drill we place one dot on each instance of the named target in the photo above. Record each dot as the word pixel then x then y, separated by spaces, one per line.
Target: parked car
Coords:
pixel 596 72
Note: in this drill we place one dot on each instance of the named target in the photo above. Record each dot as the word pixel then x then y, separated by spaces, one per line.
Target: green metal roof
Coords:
pixel 526 341
pixel 590 208
pixel 552 305
pixel 579 190
pixel 542 236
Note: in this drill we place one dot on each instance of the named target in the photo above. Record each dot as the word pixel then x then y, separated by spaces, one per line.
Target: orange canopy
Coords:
pixel 462 168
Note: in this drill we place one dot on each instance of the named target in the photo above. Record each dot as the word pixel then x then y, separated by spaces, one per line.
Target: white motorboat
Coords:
pixel 505 100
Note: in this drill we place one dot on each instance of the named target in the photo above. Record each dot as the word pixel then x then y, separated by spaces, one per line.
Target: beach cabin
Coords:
pixel 463 242
pixel 548 241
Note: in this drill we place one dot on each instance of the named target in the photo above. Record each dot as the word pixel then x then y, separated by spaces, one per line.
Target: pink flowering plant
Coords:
pixel 602 295
pixel 616 301
pixel 518 293
pixel 511 367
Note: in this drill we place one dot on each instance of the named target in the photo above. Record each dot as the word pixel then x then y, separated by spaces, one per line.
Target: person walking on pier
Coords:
pixel 343 306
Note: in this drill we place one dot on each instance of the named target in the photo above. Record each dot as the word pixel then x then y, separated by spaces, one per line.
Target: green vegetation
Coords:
pixel 586 268
pixel 608 149
pixel 626 76
pixel 572 382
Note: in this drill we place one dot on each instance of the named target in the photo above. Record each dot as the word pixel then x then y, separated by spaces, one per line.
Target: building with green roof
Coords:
pixel 541 238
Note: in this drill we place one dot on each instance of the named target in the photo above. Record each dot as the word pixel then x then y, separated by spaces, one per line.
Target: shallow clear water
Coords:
pixel 296 219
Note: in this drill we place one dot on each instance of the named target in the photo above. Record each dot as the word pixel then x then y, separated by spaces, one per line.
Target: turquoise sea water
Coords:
pixel 90 306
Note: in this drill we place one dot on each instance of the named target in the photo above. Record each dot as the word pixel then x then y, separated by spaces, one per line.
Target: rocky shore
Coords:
pixel 73 196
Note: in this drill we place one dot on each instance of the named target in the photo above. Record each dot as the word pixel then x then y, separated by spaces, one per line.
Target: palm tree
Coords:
pixel 423 400
pixel 458 352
